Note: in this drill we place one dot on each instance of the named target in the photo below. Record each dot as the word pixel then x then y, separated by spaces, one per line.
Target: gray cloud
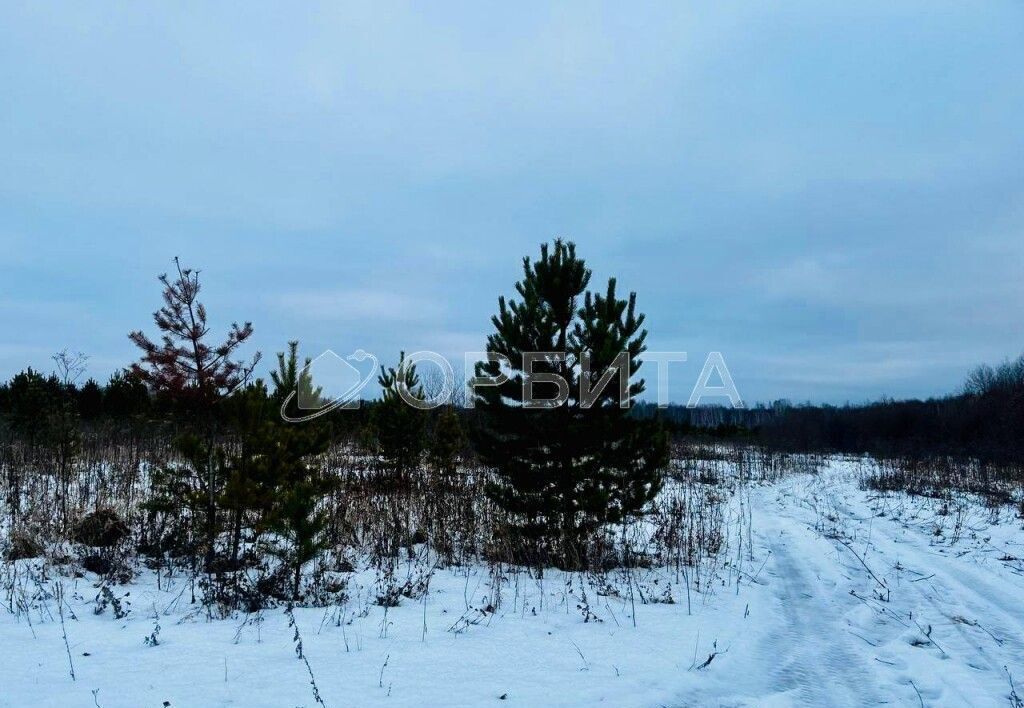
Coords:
pixel 828 195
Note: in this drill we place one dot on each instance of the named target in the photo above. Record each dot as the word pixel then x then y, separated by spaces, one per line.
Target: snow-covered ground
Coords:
pixel 842 597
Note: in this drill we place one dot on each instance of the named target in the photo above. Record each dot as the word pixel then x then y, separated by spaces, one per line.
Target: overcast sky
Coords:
pixel 832 196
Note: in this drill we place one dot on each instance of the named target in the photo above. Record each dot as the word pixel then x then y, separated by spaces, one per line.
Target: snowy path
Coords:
pixel 875 608
pixel 822 668
pixel 844 599
pixel 860 603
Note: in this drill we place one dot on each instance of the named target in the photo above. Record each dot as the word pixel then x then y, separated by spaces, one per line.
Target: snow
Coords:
pixel 844 597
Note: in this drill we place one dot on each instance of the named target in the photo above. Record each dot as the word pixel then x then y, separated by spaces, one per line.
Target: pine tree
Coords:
pixel 184 365
pixel 292 384
pixel 90 400
pixel 298 513
pixel 29 398
pixel 249 483
pixel 265 480
pixel 125 397
pixel 447 442
pixel 397 429
pixel 621 458
pixel 194 375
pixel 564 470
pixel 30 395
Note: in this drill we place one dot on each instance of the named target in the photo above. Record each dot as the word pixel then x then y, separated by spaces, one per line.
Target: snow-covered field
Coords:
pixel 842 597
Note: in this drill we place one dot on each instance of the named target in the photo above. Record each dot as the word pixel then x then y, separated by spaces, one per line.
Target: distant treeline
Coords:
pixel 985 421
pixel 709 420
pixel 30 401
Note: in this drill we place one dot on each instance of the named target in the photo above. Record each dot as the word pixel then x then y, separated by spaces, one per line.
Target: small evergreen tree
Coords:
pixel 298 512
pixel 293 384
pixel 125 397
pixel 184 364
pixel 194 375
pixel 30 396
pixel 249 483
pixel 447 442
pixel 290 452
pixel 90 400
pixel 564 470
pixel 397 429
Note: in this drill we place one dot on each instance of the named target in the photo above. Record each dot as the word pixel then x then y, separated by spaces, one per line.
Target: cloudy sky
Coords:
pixel 830 195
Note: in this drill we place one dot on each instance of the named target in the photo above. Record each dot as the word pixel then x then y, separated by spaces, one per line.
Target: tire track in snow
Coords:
pixel 814 659
pixel 882 541
pixel 957 590
pixel 810 642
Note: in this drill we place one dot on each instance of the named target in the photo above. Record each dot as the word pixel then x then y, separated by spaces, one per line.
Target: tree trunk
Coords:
pixel 236 536
pixel 211 511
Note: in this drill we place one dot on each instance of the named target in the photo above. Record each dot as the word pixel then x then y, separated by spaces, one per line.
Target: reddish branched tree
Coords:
pixel 194 375
pixel 183 365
